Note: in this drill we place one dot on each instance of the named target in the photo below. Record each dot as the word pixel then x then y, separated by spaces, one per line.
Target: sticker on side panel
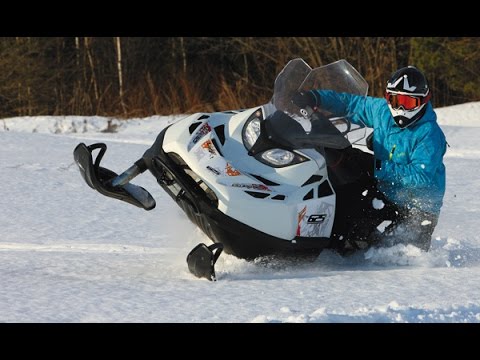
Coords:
pixel 260 187
pixel 315 219
pixel 300 216
pixel 214 170
pixel 231 171
pixel 205 150
pixel 201 132
pixel 208 145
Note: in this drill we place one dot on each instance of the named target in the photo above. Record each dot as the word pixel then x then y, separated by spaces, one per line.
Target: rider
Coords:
pixel 408 147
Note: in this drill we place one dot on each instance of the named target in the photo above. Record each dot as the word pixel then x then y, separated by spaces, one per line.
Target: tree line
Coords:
pixel 142 76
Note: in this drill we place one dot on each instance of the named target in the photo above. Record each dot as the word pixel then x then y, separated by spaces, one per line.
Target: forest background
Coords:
pixel 142 76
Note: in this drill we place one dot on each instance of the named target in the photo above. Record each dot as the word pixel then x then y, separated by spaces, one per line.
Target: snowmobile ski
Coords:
pixel 101 179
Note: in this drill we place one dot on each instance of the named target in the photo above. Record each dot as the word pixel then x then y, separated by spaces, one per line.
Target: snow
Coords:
pixel 68 254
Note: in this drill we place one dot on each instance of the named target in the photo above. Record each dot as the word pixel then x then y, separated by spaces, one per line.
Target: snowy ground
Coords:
pixel 68 254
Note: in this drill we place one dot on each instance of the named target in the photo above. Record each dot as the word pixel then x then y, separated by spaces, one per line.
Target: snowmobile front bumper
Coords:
pixel 200 206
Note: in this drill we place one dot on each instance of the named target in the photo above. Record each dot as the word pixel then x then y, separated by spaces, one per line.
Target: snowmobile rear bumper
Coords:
pixel 238 238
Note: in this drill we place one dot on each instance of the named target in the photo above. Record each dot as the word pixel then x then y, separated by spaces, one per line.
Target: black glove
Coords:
pixel 305 98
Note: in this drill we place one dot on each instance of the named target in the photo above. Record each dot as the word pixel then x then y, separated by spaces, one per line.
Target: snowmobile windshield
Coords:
pixel 327 126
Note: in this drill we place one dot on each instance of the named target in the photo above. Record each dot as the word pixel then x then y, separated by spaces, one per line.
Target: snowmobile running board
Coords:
pixel 107 182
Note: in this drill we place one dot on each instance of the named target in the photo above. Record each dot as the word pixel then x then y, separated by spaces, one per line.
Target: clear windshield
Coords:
pixel 323 127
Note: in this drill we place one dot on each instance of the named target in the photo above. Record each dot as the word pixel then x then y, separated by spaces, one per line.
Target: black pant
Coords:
pixel 351 173
pixel 359 192
pixel 411 226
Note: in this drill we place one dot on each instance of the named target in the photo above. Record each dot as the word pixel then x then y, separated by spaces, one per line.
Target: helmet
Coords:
pixel 407 95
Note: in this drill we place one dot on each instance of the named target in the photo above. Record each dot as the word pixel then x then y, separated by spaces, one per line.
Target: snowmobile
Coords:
pixel 272 180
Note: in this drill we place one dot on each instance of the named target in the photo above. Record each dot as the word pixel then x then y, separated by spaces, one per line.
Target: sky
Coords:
pixel 71 255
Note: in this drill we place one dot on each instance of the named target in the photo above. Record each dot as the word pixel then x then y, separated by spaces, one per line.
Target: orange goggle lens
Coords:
pixel 406 101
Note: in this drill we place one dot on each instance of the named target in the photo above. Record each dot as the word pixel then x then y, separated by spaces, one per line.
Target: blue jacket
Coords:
pixel 412 172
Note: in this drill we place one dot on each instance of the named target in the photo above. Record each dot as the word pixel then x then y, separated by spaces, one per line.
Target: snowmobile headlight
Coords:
pixel 251 132
pixel 280 158
pixel 272 157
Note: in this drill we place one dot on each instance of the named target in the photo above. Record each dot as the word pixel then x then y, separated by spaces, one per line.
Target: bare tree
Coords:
pixel 120 75
pixel 93 77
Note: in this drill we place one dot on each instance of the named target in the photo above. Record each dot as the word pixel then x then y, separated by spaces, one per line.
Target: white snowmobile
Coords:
pixel 270 180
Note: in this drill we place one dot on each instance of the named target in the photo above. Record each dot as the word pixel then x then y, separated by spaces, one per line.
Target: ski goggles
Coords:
pixel 408 102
